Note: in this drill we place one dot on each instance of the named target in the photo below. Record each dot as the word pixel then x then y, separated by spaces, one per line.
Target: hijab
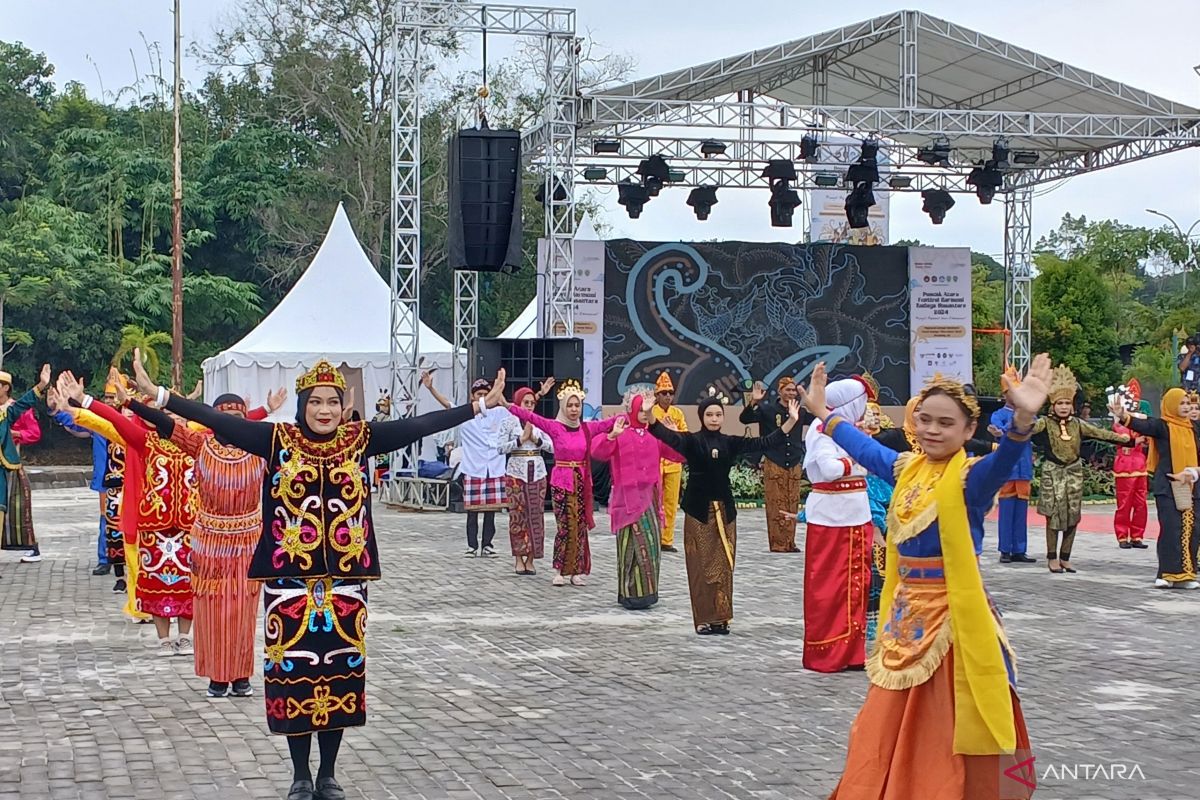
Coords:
pixel 302 423
pixel 1181 431
pixel 848 399
pixel 520 394
pixel 910 422
pixel 563 396
pixel 635 411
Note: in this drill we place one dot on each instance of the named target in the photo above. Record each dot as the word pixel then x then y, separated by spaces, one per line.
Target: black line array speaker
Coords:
pixel 484 171
pixel 528 362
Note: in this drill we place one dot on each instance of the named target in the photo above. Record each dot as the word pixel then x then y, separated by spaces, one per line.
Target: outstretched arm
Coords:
pixel 396 434
pixel 161 422
pixel 253 437
pixel 551 427
pixel 132 434
pixel 878 459
pixel 989 474
pixel 681 443
pixel 1089 431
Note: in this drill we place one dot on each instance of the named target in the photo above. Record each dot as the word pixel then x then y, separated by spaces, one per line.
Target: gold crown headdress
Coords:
pixel 1062 384
pixel 322 374
pixel 953 389
pixel 872 385
pixel 569 388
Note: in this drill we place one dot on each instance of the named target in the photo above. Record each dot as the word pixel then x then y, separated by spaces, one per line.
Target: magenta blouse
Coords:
pixel 635 460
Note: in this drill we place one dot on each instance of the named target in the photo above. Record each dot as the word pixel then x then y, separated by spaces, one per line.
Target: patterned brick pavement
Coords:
pixel 488 686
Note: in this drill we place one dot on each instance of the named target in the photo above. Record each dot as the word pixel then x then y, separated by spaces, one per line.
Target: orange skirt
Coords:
pixel 902 748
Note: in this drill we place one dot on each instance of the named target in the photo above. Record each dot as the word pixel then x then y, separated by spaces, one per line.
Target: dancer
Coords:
pixel 1014 495
pixel 158 511
pixel 104 564
pixel 781 466
pixel 1060 437
pixel 525 481
pixel 635 506
pixel 18 426
pixel 1129 471
pixel 483 467
pixel 571 479
pixel 710 515
pixel 941 718
pixel 1172 461
pixel 672 471
pixel 315 554
pixel 837 542
pixel 904 439
pixel 879 493
pixel 228 525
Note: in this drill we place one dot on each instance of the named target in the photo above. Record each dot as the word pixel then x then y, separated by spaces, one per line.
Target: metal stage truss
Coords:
pixel 414 23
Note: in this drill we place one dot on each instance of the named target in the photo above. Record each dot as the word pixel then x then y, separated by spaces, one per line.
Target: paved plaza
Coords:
pixel 484 685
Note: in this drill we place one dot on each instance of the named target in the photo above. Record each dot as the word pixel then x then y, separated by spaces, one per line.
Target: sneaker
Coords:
pixel 1161 583
pixel 1188 585
pixel 579 580
pixel 488 552
pixel 102 569
pixel 183 646
pixel 120 586
pixel 32 557
pixel 166 648
pixel 217 689
pixel 242 688
pixel 470 554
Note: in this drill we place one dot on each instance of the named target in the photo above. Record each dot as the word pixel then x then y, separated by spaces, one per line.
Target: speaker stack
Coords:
pixel 485 201
pixel 528 362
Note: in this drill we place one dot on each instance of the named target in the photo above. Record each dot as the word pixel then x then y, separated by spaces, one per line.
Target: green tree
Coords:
pixel 1074 320
pixel 135 338
pixel 25 93
pixel 1154 367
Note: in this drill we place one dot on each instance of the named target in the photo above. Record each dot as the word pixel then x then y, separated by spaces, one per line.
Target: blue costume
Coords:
pixel 1014 495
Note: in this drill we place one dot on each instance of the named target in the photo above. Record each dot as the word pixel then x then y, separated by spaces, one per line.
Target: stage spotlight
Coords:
pixel 780 169
pixel 676 176
pixel 936 153
pixel 858 205
pixel 1000 154
pixel 870 151
pixel 1025 157
pixel 606 146
pixel 595 174
pixel 560 193
pixel 655 172
pixel 809 147
pixel 863 172
pixel 702 199
pixel 633 196
pixel 827 180
pixel 900 181
pixel 936 203
pixel 986 179
pixel 784 200
pixel 712 147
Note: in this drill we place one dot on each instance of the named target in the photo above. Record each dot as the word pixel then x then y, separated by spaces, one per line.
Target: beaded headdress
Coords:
pixel 570 388
pixel 713 395
pixel 1062 384
pixel 940 384
pixel 322 374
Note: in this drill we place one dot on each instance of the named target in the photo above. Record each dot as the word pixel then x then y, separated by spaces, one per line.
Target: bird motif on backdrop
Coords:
pixel 721 315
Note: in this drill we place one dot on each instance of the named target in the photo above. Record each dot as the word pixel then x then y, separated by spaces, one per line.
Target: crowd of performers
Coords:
pixel 206 511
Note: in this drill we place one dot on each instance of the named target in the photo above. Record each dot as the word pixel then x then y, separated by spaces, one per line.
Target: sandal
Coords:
pixel 1066 567
pixel 578 580
pixel 1052 565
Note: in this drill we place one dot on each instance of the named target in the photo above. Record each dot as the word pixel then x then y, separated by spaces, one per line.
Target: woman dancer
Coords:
pixel 1174 442
pixel 635 507
pixel 315 554
pixel 879 493
pixel 571 480
pixel 17 426
pixel 941 718
pixel 525 481
pixel 710 515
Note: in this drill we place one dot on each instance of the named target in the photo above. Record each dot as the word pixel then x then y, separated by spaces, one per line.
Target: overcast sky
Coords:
pixel 1150 46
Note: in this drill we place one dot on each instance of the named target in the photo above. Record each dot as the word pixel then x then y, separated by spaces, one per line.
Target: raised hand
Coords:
pixel 1029 394
pixel 670 424
pixel 69 388
pixel 619 427
pixel 44 378
pixel 758 392
pixel 53 401
pixel 140 376
pixel 427 379
pixel 276 399
pixel 794 411
pixel 1117 409
pixel 547 385
pixel 122 389
pixel 197 392
pixel 814 395
pixel 495 397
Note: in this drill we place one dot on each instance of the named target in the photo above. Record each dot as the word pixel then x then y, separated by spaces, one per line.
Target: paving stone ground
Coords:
pixel 488 686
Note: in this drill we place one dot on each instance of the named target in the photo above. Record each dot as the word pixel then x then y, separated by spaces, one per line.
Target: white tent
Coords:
pixel 340 310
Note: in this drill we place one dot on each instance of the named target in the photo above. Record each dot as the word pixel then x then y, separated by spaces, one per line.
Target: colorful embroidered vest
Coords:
pixel 168 497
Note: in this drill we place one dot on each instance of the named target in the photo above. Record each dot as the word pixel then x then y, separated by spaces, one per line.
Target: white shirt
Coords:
pixel 827 463
pixel 479 441
pixel 522 454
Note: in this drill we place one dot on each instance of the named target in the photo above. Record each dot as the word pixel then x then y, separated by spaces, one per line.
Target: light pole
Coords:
pixel 1187 239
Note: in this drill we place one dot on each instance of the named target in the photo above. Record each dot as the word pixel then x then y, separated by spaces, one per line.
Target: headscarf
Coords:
pixel 229 402
pixel 481 384
pixel 1181 432
pixel 301 402
pixel 704 405
pixel 848 399
pixel 786 380
pixel 910 422
pixel 635 411
pixel 568 390
pixel 521 394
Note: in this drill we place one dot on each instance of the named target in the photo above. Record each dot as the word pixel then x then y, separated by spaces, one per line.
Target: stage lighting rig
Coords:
pixel 779 169
pixel 866 170
pixel 702 199
pixel 1025 157
pixel 633 196
pixel 606 147
pixel 936 202
pixel 900 181
pixel 784 201
pixel 858 205
pixel 827 180
pixel 810 146
pixel 595 173
pixel 986 179
pixel 560 192
pixel 711 147
pixel 936 153
pixel 655 172
pixel 1000 154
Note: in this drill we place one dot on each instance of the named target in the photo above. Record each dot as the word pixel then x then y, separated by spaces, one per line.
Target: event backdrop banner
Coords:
pixel 940 331
pixel 723 313
pixel 589 314
pixel 827 207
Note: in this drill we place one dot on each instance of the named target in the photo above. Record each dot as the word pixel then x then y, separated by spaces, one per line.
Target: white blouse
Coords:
pixel 522 454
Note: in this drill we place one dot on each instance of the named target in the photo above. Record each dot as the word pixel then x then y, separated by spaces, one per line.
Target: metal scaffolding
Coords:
pixel 1018 269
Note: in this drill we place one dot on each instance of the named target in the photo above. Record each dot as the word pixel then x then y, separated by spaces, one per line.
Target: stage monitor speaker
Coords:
pixel 484 170
pixel 528 362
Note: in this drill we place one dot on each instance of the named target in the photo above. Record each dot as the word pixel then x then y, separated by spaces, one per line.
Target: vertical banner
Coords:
pixel 589 312
pixel 827 207
pixel 939 314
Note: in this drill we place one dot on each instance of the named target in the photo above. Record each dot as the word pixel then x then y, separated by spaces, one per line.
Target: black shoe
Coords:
pixel 329 789
pixel 1124 545
pixel 102 569
pixel 241 688
pixel 1022 558
pixel 1139 545
pixel 302 790
pixel 217 689
pixel 707 630
pixel 669 548
pixel 120 586
pixel 1006 558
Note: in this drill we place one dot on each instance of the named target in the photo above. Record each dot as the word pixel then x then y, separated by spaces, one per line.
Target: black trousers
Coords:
pixel 489 528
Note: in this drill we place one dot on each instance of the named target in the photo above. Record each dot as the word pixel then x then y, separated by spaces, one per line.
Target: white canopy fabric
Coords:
pixel 339 310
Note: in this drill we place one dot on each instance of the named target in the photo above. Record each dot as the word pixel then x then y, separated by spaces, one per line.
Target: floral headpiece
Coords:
pixel 951 388
pixel 1062 384
pixel 322 374
pixel 713 395
pixel 570 388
